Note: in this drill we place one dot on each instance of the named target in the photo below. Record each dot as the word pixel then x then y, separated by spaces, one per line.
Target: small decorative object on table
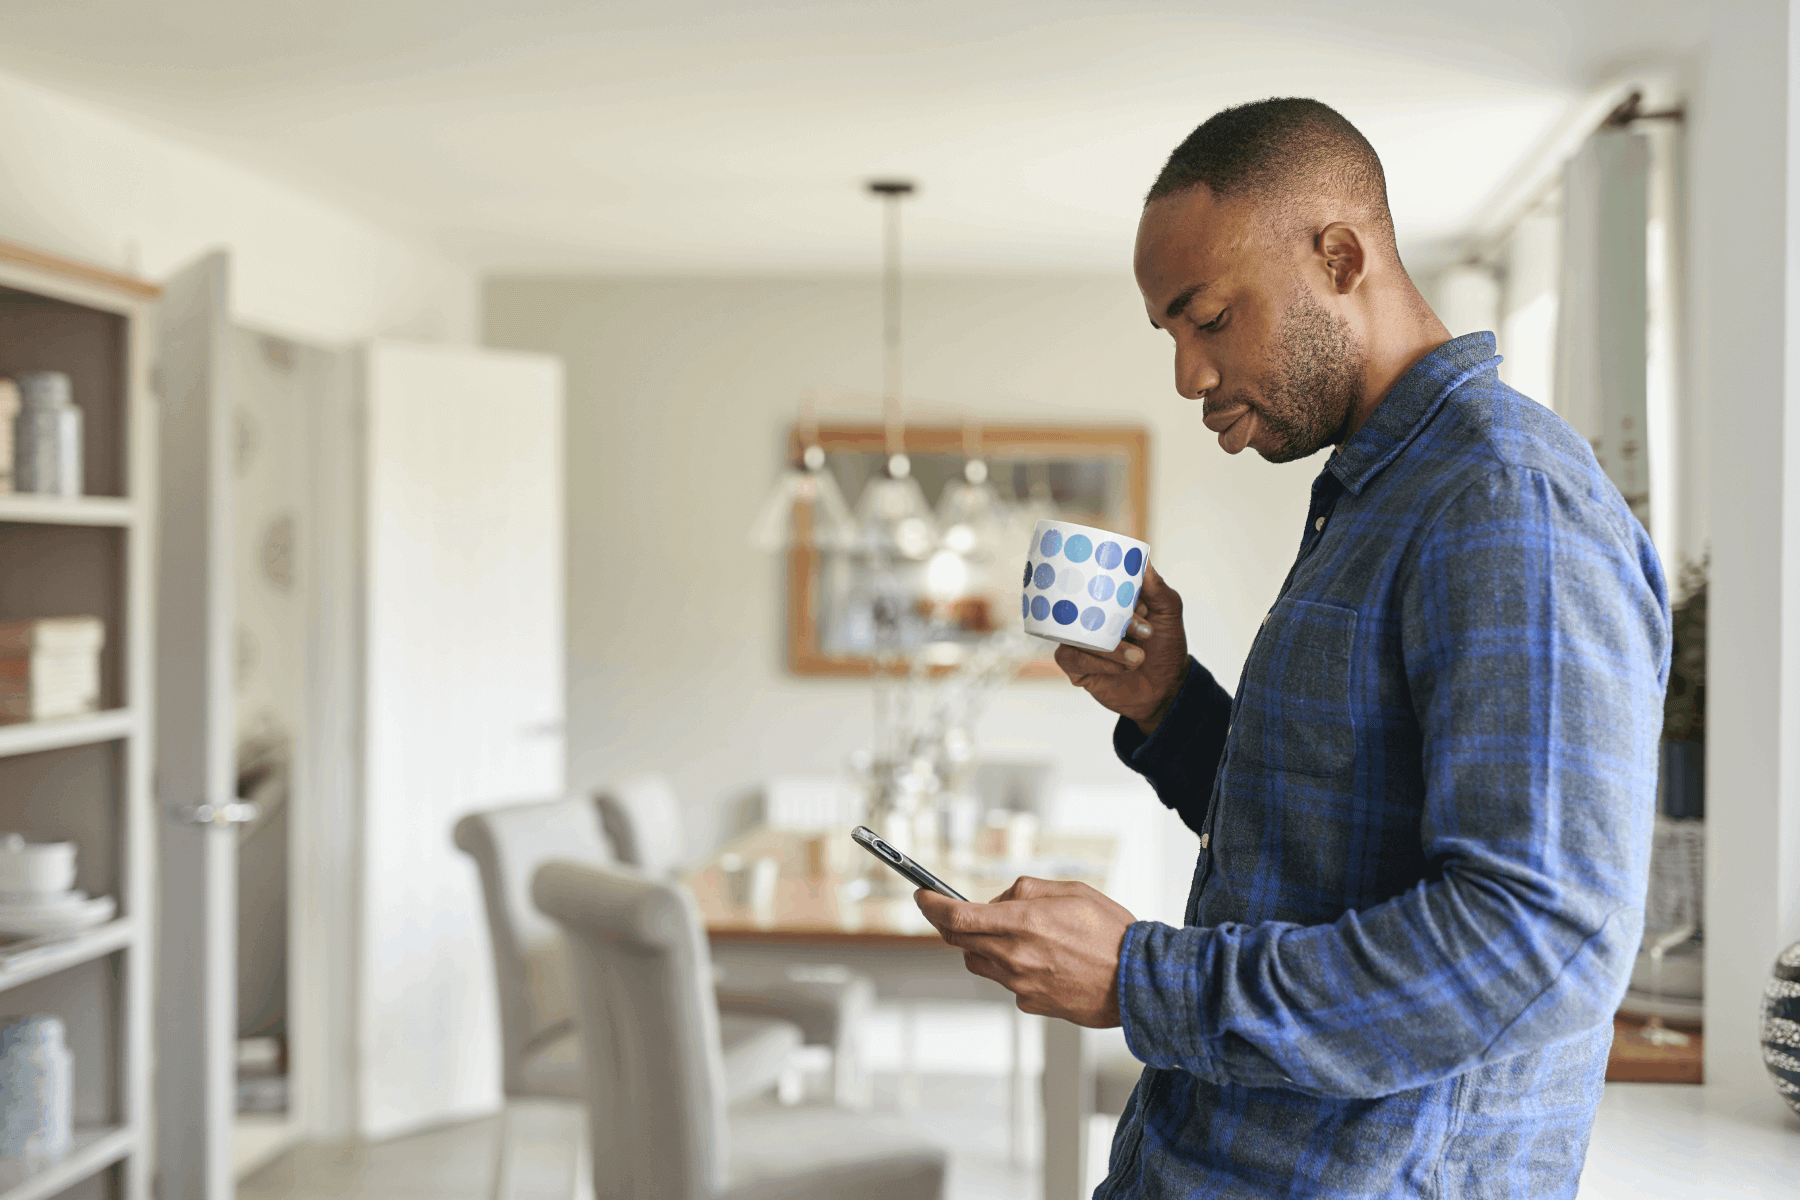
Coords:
pixel 1781 1026
pixel 37 1089
pixel 50 668
pixel 47 436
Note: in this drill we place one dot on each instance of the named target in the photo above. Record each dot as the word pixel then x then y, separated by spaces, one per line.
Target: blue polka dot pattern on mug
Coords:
pixel 1051 544
pixel 1100 587
pixel 1027 582
pixel 1040 608
pixel 1092 619
pixel 1134 558
pixel 1064 612
pixel 1046 575
pixel 1127 593
pixel 1107 556
pixel 1078 548
pixel 1024 606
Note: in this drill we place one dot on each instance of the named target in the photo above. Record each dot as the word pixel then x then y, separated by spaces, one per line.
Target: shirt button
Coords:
pixel 1319 524
pixel 1205 840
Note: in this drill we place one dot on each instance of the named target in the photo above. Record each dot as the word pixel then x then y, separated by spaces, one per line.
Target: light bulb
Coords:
pixel 946 576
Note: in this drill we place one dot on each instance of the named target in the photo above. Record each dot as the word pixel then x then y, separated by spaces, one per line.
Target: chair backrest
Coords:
pixel 508 845
pixel 649 1026
pixel 642 815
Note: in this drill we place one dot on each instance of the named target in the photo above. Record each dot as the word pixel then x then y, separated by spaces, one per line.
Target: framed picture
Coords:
pixel 849 616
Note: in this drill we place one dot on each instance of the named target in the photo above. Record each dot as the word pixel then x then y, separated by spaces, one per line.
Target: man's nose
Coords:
pixel 1195 373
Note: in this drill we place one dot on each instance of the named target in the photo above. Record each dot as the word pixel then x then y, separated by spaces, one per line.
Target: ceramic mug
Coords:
pixel 1081 584
pixel 35 867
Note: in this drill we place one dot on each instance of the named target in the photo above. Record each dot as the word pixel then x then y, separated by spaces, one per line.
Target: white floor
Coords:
pixel 1656 1140
pixel 965 1114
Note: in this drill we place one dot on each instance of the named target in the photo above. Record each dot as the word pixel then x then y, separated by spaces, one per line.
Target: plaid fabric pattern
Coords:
pixel 1425 826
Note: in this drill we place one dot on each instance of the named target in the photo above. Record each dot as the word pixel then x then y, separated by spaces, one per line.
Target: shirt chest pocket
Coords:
pixel 1296 712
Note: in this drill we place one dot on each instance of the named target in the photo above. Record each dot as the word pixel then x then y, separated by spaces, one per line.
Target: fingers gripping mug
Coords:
pixel 1081 584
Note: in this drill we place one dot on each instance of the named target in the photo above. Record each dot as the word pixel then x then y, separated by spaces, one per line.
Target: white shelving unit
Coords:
pixel 87 779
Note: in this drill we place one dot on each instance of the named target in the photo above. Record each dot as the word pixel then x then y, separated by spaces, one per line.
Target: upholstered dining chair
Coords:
pixel 830 1002
pixel 660 1122
pixel 540 1056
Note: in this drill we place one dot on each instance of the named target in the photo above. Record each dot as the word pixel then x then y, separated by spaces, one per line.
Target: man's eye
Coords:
pixel 1215 323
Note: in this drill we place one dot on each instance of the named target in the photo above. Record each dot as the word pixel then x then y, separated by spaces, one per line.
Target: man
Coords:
pixel 1424 818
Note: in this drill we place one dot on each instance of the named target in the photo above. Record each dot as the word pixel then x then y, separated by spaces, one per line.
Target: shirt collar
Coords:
pixel 1409 404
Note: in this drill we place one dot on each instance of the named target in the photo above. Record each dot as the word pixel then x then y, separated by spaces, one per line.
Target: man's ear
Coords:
pixel 1340 248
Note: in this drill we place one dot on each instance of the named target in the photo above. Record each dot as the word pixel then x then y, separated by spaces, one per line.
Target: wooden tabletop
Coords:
pixel 828 890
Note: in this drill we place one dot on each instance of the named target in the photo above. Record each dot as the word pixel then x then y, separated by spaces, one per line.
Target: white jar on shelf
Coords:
pixel 47 436
pixel 37 1088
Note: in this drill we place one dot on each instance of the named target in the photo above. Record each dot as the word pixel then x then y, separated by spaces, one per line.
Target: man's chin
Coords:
pixel 1277 447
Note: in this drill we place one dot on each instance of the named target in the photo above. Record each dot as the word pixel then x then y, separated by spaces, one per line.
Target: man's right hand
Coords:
pixel 1140 677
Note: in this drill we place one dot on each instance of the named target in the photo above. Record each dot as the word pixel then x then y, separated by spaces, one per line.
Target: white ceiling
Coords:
pixel 733 135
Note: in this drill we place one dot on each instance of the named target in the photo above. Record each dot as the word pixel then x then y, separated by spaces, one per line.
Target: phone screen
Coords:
pixel 871 841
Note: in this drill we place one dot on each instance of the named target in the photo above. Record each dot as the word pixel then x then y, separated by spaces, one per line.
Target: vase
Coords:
pixel 37 1091
pixel 47 436
pixel 1781 1026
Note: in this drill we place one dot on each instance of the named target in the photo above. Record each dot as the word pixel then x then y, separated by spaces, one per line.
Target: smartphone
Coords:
pixel 871 841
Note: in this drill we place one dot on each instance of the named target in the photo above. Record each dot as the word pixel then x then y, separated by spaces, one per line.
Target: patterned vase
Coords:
pixel 1781 1026
pixel 37 1090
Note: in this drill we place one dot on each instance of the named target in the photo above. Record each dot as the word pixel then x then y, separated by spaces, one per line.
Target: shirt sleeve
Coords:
pixel 1536 647
pixel 1181 756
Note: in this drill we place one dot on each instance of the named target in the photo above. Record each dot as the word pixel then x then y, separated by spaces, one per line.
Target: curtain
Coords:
pixel 1602 346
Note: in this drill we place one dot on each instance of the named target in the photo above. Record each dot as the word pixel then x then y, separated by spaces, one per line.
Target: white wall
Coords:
pixel 1744 306
pixel 87 184
pixel 679 395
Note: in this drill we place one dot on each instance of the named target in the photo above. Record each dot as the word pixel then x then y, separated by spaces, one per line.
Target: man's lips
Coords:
pixel 1234 421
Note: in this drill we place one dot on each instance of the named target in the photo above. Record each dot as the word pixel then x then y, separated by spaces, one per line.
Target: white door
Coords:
pixel 463 610
pixel 196 1002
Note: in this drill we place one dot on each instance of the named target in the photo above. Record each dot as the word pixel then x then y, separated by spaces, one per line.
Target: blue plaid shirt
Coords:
pixel 1424 826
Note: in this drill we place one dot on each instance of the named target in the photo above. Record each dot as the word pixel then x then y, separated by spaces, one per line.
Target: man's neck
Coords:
pixel 1405 333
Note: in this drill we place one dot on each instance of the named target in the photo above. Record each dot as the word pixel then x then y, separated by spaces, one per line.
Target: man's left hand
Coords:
pixel 1053 945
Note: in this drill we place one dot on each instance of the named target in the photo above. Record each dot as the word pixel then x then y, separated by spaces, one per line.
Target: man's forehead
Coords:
pixel 1189 234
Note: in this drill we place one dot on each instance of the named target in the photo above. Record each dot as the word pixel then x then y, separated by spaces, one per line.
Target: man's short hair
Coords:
pixel 1276 153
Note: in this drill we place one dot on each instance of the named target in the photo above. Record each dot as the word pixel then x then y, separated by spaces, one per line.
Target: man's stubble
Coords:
pixel 1308 398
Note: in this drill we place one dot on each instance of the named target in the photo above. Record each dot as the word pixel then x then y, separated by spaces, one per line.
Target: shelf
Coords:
pixel 95 1148
pixel 58 510
pixel 29 737
pixel 93 943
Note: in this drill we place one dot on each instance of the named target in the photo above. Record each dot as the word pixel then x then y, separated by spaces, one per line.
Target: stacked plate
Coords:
pixel 35 897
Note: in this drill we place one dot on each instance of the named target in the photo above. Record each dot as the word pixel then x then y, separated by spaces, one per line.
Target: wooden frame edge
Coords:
pixel 69 268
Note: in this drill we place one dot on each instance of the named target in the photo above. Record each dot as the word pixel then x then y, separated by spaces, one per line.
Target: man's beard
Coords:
pixel 1307 401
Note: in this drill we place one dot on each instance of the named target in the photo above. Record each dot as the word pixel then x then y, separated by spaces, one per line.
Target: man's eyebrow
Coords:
pixel 1179 304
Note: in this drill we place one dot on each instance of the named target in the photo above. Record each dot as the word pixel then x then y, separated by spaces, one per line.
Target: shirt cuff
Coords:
pixel 1160 998
pixel 1163 749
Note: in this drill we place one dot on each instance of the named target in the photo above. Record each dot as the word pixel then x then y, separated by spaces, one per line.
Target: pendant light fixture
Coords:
pixel 896 521
pixel 806 509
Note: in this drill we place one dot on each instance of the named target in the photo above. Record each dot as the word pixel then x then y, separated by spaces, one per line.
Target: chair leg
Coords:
pixel 909 1057
pixel 849 1081
pixel 503 1154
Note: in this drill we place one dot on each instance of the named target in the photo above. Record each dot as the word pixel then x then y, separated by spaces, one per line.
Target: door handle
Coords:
pixel 235 812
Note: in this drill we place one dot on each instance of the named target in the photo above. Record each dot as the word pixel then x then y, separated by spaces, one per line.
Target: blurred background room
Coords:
pixel 439 440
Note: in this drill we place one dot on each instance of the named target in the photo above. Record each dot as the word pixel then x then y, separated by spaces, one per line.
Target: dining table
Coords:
pixel 788 897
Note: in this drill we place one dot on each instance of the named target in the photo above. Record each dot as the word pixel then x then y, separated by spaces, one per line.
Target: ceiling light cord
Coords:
pixel 891 191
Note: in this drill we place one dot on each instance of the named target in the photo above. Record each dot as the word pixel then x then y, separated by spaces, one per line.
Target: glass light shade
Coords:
pixel 894 518
pixel 805 510
pixel 974 520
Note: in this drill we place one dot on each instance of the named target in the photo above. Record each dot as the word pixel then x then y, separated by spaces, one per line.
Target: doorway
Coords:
pixel 278 387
